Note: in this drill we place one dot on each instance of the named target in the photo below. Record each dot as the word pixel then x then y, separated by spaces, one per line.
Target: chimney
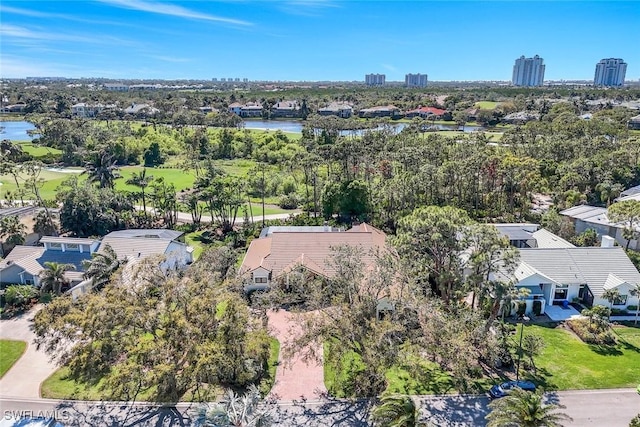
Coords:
pixel 607 242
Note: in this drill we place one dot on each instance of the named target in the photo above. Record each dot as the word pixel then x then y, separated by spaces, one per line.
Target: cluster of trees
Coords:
pixel 164 335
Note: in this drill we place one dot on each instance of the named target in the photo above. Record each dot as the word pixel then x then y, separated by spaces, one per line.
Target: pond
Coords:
pixel 296 126
pixel 16 131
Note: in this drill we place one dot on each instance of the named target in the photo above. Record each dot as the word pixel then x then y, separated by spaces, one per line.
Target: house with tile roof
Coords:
pixel 425 112
pixel 280 251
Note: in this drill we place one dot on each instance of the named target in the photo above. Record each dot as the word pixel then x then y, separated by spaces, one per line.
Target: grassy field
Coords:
pixel 59 386
pixel 37 151
pixel 568 363
pixel 11 352
pixel 486 105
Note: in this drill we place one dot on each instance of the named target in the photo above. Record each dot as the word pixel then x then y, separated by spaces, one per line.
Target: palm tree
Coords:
pixel 525 409
pixel 13 230
pixel 52 278
pixel 102 169
pixel 101 267
pixel 611 295
pixel 395 410
pixel 142 181
pixel 247 410
pixel 635 291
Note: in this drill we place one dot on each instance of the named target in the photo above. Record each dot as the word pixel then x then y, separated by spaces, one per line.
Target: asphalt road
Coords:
pixel 610 408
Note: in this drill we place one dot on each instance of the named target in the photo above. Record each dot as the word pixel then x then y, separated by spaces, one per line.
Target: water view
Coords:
pixel 16 131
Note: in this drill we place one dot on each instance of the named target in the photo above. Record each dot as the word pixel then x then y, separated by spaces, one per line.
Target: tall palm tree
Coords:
pixel 525 409
pixel 101 267
pixel 142 181
pixel 102 169
pixel 12 230
pixel 395 410
pixel 52 278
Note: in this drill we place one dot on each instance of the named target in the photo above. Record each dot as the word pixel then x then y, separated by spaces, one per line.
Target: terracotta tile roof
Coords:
pixel 280 252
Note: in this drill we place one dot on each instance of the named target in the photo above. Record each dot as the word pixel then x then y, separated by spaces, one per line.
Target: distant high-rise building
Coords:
pixel 528 71
pixel 375 79
pixel 610 72
pixel 415 80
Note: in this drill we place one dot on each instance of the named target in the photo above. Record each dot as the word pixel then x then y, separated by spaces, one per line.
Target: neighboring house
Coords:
pixel 141 109
pixel 555 275
pixel 634 123
pixel 24 264
pixel 136 244
pixel 526 235
pixel 380 111
pixel 86 110
pixel 520 117
pixel 585 217
pixel 337 109
pixel 116 87
pixel 281 251
pixel 208 109
pixel 288 109
pixel 425 112
pixel 250 109
pixel 14 108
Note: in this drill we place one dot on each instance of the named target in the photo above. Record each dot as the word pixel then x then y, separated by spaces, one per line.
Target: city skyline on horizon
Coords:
pixel 313 40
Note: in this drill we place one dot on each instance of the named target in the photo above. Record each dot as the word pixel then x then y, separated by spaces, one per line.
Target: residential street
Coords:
pixel 610 408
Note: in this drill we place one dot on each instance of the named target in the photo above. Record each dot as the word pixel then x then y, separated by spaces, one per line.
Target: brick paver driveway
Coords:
pixel 296 379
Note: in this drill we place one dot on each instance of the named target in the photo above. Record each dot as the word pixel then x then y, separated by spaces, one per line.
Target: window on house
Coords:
pixel 561 292
pixel 72 246
pixel 55 245
pixel 260 279
pixel 621 300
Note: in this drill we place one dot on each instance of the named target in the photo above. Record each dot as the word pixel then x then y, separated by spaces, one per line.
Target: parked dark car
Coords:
pixel 501 390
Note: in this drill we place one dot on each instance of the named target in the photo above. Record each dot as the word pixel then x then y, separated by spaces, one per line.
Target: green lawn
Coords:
pixel 486 105
pixel 10 351
pixel 274 352
pixel 37 151
pixel 567 363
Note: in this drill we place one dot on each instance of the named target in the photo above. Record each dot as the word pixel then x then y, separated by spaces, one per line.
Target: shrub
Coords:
pixel 19 295
pixel 537 307
pixel 590 335
pixel 522 308
pixel 619 312
pixel 288 202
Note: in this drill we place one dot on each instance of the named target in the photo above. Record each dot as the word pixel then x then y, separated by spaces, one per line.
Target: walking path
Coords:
pixel 26 375
pixel 296 379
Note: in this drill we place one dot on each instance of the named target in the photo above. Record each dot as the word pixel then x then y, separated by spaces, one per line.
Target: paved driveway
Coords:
pixel 296 379
pixel 26 375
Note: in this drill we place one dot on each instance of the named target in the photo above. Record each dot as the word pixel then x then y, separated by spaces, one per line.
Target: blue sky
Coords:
pixel 313 39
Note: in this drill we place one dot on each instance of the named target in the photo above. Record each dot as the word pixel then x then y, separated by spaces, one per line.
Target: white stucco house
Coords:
pixel 555 275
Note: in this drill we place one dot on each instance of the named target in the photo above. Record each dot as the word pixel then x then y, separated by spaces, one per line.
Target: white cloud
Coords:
pixel 169 58
pixel 172 10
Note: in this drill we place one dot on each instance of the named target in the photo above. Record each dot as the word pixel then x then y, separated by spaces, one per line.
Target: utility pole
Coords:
pixel 524 319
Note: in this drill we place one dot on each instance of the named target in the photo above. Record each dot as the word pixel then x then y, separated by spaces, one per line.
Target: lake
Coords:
pixel 16 131
pixel 296 126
